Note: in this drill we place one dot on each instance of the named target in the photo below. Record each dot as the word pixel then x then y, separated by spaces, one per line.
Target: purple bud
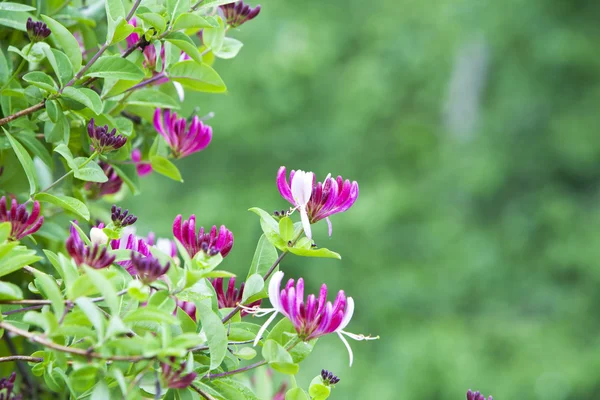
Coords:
pixel 121 218
pixel 102 140
pixel 37 31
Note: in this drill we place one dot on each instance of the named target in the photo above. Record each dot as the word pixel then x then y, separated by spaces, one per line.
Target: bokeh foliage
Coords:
pixel 473 254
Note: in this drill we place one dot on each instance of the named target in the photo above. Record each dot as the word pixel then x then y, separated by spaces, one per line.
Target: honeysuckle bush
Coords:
pixel 89 99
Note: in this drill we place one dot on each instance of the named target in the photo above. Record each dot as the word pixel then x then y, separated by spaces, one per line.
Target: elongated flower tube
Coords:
pixel 95 255
pixel 143 168
pixel 312 319
pixel 133 243
pixel 21 222
pixel 210 243
pixel 104 140
pixel 237 13
pixel 476 396
pixel 37 31
pixel 176 378
pixel 182 139
pixel 148 269
pixel 319 200
pixel 231 297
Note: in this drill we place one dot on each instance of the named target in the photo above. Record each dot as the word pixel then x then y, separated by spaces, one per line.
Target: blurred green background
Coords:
pixel 472 128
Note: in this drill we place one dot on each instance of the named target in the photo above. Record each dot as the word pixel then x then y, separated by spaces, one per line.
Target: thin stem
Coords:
pixel 42 303
pixel 195 6
pixel 34 338
pixel 27 379
pixel 19 68
pixel 20 358
pixel 62 6
pixel 20 310
pixel 147 82
pixel 22 113
pixel 202 393
pixel 237 371
pixel 87 66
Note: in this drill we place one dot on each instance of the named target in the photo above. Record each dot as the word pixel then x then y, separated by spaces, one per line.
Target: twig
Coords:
pixel 48 302
pixel 21 358
pixel 202 393
pixel 27 380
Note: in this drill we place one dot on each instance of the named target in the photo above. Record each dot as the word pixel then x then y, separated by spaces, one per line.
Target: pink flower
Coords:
pixel 316 201
pixel 113 185
pixel 182 139
pixel 143 168
pixel 210 243
pixel 176 378
pixel 21 222
pixel 95 255
pixel 133 243
pixel 188 307
pixel 232 296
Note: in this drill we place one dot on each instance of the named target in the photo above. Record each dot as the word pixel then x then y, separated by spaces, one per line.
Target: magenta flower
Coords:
pixel 21 222
pixel 148 269
pixel 7 385
pixel 210 243
pixel 102 140
pixel 112 186
pixel 176 378
pixel 238 13
pixel 188 307
pixel 312 319
pixel 316 201
pixel 95 255
pixel 133 243
pixel 37 31
pixel 182 139
pixel 143 168
pixel 476 396
pixel 133 38
pixel 233 296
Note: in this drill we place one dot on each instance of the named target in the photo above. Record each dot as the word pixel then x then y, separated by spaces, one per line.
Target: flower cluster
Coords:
pixel 22 223
pixel 476 396
pixel 329 378
pixel 316 201
pixel 232 297
pixel 133 243
pixel 147 268
pixel 181 138
pixel 211 243
pixel 37 31
pixel 120 218
pixel 237 13
pixel 176 378
pixel 102 140
pixel 95 255
pixel 7 385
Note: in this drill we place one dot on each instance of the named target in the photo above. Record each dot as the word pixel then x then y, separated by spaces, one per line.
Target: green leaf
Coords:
pixel 165 167
pixel 115 67
pixel 84 377
pixel 105 287
pixel 14 257
pixel 60 64
pixel 318 390
pixel 152 98
pixel 8 6
pixel 51 291
pixel 177 7
pixel 194 21
pixel 41 80
pixel 59 132
pixel 53 109
pixel 115 13
pixel 10 291
pixel 5 228
pixel 25 161
pixel 121 31
pixel 67 203
pixel 284 333
pixel 296 394
pixel 90 172
pixel 154 20
pixel 101 391
pixel 216 334
pixel 64 151
pixel 270 228
pixel 36 147
pixel 67 271
pixel 129 175
pixel 199 77
pixel 213 37
pixel 321 253
pixel 286 229
pixel 66 41
pixel 278 357
pixel 87 97
pixel 15 20
pixel 150 314
pixel 93 314
pixel 254 284
pixel 229 48
pixel 183 41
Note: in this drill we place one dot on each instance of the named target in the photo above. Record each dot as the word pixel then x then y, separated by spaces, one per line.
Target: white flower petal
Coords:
pixel 264 328
pixel 301 187
pixel 274 290
pixel 348 314
pixel 180 91
pixel 97 236
pixel 305 222
pixel 347 347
